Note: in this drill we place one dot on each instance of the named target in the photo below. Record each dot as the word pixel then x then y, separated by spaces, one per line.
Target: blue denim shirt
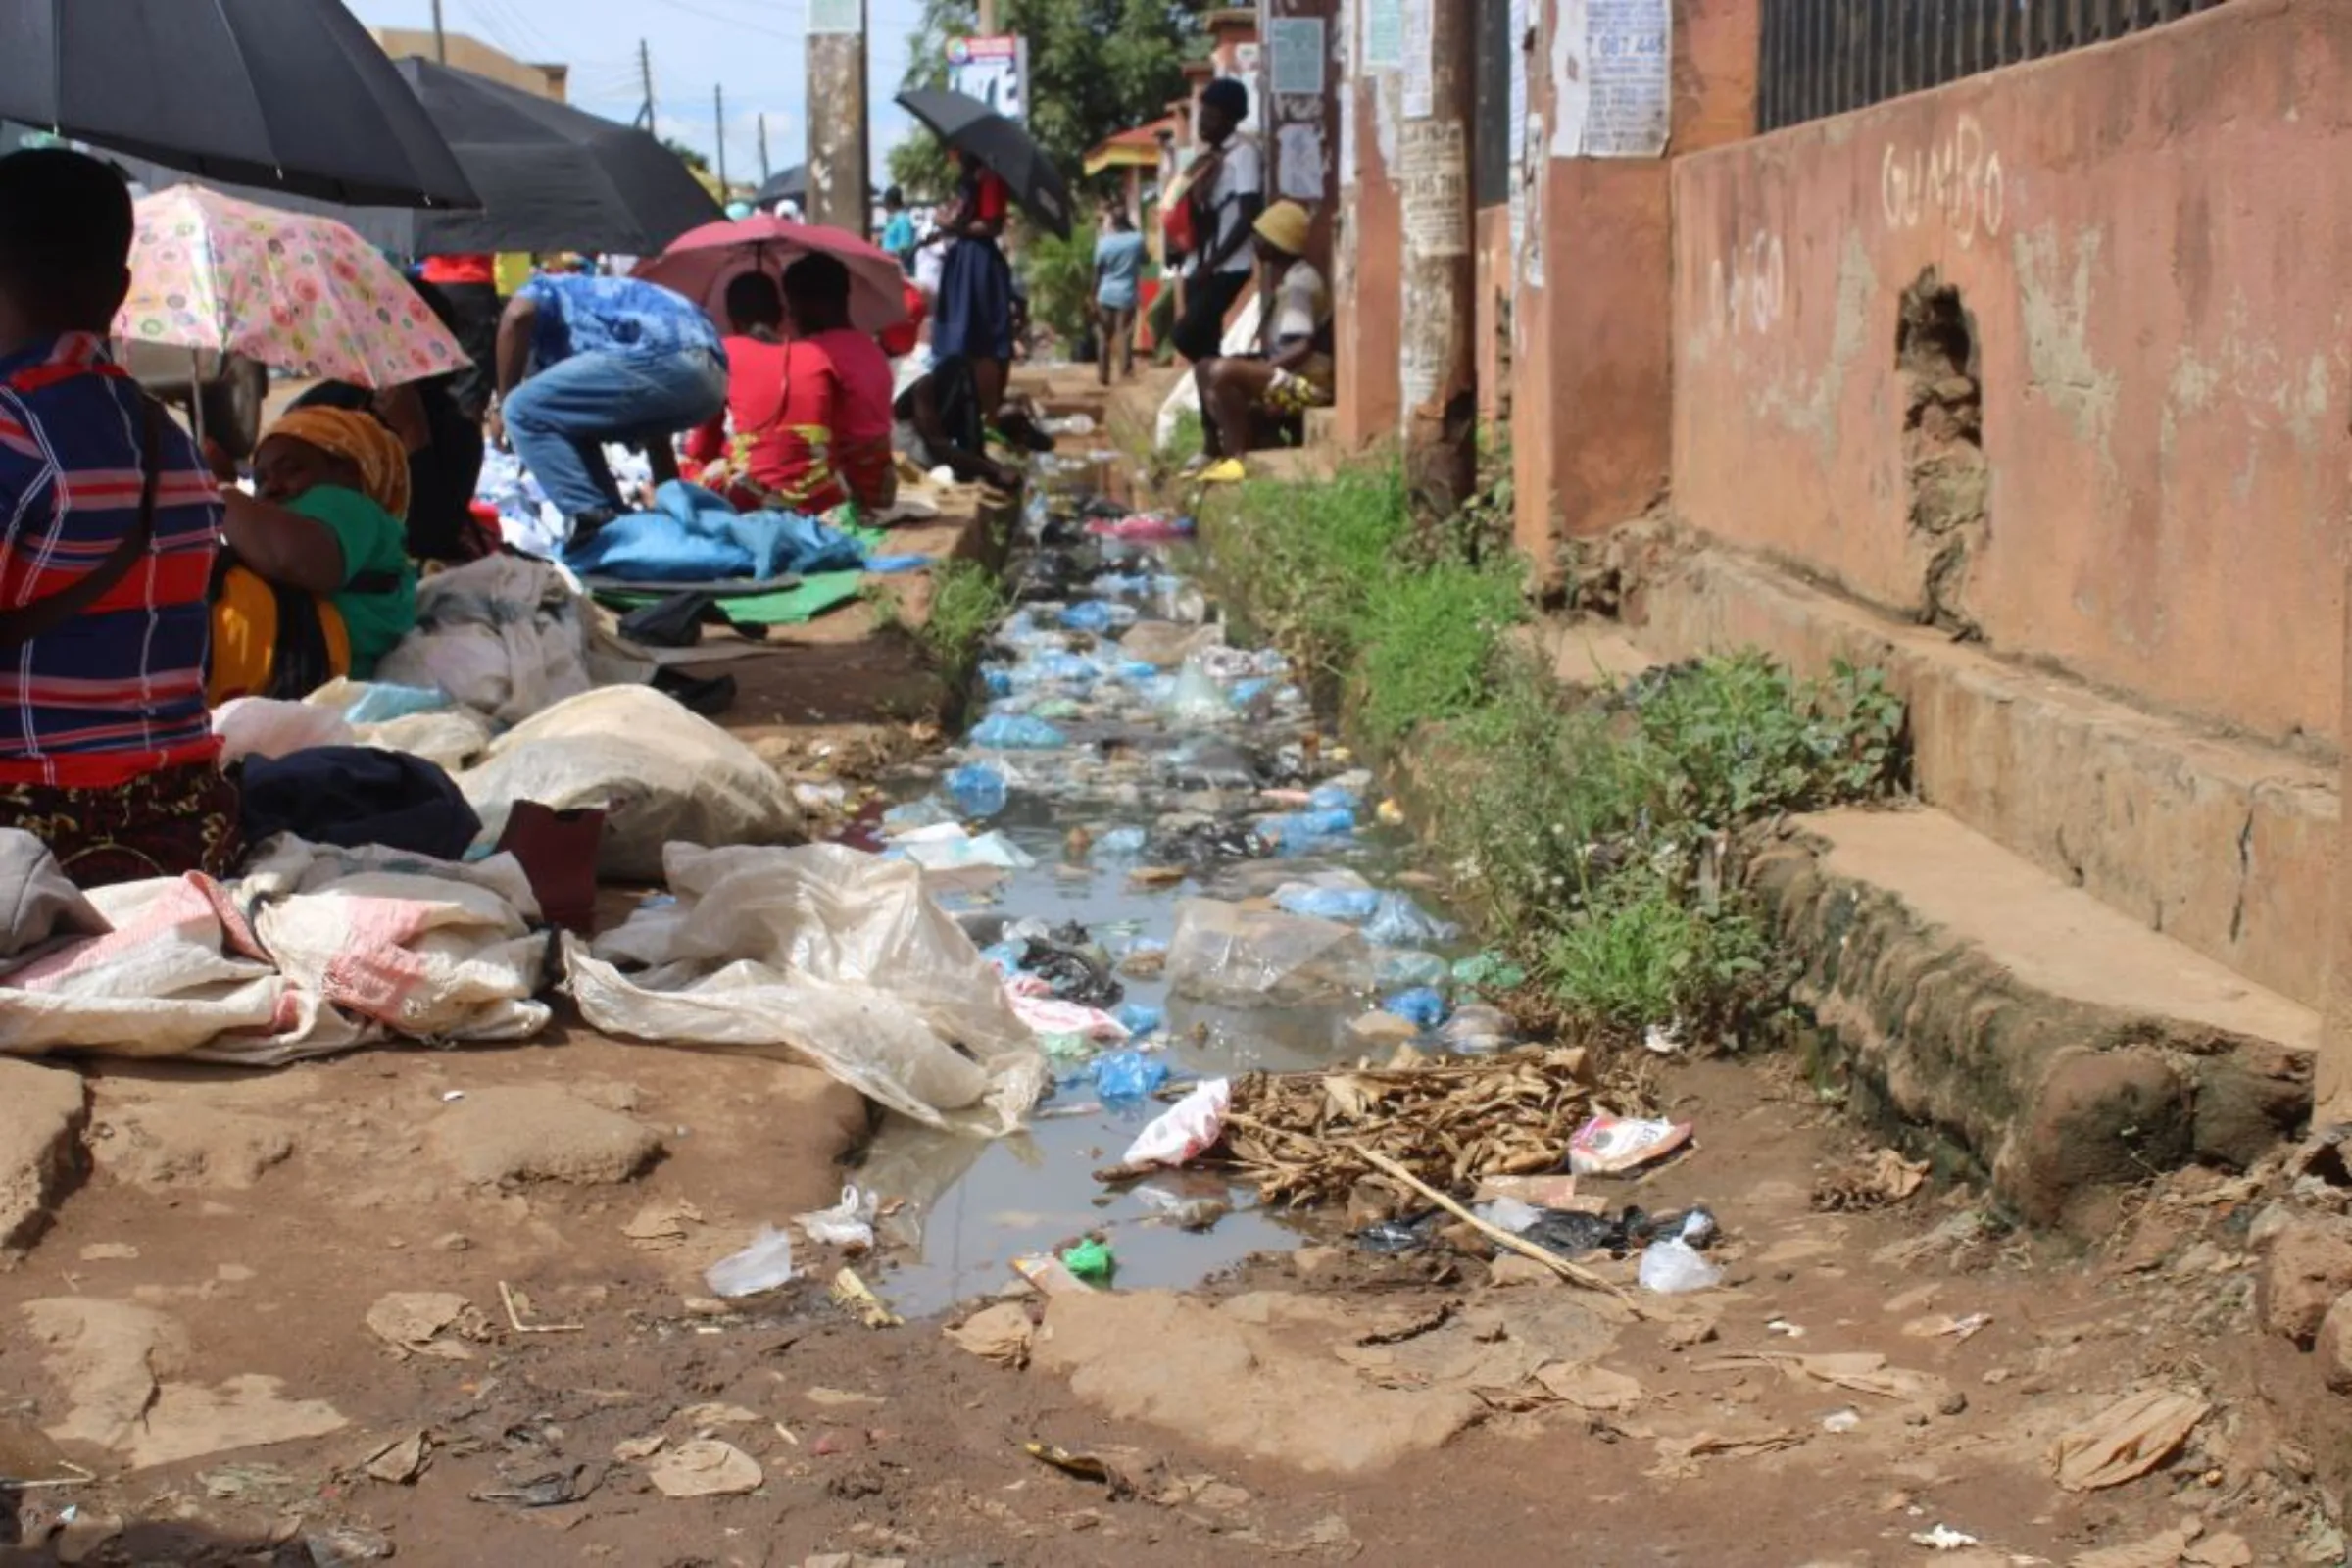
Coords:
pixel 624 315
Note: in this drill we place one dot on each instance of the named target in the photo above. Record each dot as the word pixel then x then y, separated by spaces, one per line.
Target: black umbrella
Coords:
pixel 791 185
pixel 283 95
pixel 964 122
pixel 552 177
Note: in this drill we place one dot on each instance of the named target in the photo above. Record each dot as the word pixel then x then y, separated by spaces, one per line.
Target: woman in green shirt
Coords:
pixel 317 581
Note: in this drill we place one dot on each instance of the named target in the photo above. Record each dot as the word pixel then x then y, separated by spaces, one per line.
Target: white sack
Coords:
pixel 505 635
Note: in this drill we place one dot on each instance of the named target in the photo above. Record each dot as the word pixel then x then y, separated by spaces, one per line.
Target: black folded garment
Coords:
pixel 355 795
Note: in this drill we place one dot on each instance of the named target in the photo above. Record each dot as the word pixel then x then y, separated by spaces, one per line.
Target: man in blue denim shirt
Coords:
pixel 582 361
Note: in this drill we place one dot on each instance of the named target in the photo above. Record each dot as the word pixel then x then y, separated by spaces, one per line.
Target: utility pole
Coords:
pixel 440 37
pixel 837 151
pixel 763 171
pixel 988 19
pixel 645 74
pixel 1440 306
pixel 718 125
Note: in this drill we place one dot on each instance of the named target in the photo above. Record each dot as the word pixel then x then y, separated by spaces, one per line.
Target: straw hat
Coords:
pixel 1284 225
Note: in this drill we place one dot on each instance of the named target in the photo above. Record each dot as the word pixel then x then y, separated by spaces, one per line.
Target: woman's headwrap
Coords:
pixel 362 440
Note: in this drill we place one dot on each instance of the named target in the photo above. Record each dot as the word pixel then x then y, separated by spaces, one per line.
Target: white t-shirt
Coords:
pixel 1301 303
pixel 1241 173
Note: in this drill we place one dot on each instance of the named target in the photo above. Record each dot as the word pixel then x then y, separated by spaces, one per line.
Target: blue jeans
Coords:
pixel 561 417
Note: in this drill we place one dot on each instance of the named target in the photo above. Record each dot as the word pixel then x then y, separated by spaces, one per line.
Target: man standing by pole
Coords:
pixel 1439 359
pixel 836 156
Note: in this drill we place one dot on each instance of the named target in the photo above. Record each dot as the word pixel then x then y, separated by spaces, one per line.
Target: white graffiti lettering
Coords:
pixel 1959 180
pixel 1750 288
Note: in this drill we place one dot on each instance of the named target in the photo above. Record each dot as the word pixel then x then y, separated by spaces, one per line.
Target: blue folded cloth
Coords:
pixel 694 536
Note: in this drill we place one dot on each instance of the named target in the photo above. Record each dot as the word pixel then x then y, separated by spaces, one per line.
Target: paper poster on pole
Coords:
pixel 1297 56
pixel 995 70
pixel 836 16
pixel 1420 59
pixel 1384 34
pixel 1614 71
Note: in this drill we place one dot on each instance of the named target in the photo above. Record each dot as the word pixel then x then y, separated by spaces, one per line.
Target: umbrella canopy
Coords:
pixel 552 177
pixel 289 95
pixel 966 121
pixel 299 293
pixel 702 263
pixel 789 185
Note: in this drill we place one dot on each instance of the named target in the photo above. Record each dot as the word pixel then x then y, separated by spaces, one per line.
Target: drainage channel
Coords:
pixel 1146 828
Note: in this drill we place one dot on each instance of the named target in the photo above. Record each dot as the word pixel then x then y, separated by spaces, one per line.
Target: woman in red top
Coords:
pixel 811 417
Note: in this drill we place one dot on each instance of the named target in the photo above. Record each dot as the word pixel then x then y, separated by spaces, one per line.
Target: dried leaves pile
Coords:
pixel 1448 1120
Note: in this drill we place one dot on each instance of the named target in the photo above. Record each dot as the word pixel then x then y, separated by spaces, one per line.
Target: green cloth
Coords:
pixel 786 606
pixel 372 540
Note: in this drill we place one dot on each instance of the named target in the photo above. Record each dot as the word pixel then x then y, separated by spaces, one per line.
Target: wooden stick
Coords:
pixel 1526 1249
pixel 520 1327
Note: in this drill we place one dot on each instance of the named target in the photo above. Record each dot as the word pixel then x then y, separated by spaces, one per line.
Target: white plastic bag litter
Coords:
pixel 660 774
pixel 505 635
pixel 1185 1129
pixel 848 1223
pixel 267 726
pixel 836 956
pixel 762 1266
pixel 1225 953
pixel 1674 1268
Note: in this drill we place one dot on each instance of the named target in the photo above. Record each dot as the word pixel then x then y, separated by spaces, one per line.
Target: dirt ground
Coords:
pixel 213 1282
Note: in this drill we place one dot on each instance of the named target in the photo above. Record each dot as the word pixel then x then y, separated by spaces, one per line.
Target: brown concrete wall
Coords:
pixel 2144 237
pixel 1593 381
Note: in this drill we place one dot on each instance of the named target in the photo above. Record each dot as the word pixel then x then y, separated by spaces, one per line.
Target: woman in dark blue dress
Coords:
pixel 974 317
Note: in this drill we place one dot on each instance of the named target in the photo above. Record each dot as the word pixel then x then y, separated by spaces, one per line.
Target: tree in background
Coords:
pixel 1095 67
pixel 688 156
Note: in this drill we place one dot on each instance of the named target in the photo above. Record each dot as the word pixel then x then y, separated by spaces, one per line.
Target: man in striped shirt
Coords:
pixel 106 747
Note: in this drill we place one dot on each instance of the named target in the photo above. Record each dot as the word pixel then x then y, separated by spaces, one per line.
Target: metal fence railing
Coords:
pixel 1823 57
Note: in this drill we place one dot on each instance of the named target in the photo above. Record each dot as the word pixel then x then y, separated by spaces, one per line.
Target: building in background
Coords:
pixel 465 53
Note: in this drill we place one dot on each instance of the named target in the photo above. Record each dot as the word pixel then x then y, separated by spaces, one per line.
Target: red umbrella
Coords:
pixel 701 262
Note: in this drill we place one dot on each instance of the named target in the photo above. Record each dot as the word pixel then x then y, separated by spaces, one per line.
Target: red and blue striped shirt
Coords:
pixel 117 691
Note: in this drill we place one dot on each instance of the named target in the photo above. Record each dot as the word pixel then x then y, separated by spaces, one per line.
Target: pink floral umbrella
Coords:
pixel 299 293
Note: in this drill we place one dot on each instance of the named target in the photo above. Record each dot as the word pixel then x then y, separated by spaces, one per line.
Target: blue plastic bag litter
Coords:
pixel 1303 832
pixel 1018 732
pixel 1400 922
pixel 1331 798
pixel 1007 956
pixel 380 701
pixel 1120 843
pixel 1245 690
pixel 1098 616
pixel 1140 1019
pixel 977 789
pixel 1139 670
pixel 1127 1074
pixel 1420 1007
pixel 1351 906
pixel 998 681
pixel 1400 968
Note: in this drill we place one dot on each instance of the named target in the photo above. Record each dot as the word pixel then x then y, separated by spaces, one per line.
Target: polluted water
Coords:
pixel 1181 879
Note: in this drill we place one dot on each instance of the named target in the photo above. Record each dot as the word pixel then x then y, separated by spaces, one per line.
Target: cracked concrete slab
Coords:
pixel 41 1153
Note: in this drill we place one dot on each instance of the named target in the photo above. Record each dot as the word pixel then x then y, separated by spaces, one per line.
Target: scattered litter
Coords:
pixel 1674 1268
pixel 1048 1275
pixel 1000 1334
pixel 704 1468
pixel 515 1311
pixel 855 1294
pixel 1944 1537
pixel 1228 953
pixel 340 1546
pixel 1881 1179
pixel 849 1223
pixel 1127 1074
pixel 399 1462
pixel 2128 1440
pixel 1018 732
pixel 762 1266
pixel 1662 1038
pixel 1085 1466
pixel 550 1489
pixel 1190 1126
pixel 1185 1213
pixel 1423 1008
pixel 1943 1325
pixel 1844 1420
pixel 1090 1260
pixel 1612 1144
pixel 434 1323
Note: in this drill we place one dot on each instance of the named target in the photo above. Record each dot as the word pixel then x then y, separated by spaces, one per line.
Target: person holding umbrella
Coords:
pixel 582 361
pixel 109 529
pixel 972 318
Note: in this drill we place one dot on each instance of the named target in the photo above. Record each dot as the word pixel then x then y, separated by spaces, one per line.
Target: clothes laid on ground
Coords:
pixel 355 795
pixel 161 822
pixel 442 478
pixel 810 424
pixel 617 360
pixel 695 535
pixel 1118 268
pixel 117 691
pixel 974 309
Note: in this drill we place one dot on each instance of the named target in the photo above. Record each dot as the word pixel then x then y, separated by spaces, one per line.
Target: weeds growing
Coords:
pixel 1603 837
pixel 966 603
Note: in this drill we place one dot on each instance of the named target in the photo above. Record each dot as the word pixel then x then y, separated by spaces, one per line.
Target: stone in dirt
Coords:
pixel 186 1144
pixel 1254 1376
pixel 2333 1345
pixel 704 1468
pixel 40 1146
pixel 500 1136
pixel 1001 1334
pixel 2310 1265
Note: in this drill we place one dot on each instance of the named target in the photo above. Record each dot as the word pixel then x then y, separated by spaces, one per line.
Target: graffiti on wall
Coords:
pixel 1750 288
pixel 1957 181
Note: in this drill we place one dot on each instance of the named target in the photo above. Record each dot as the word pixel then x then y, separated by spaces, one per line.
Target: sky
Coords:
pixel 750 47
